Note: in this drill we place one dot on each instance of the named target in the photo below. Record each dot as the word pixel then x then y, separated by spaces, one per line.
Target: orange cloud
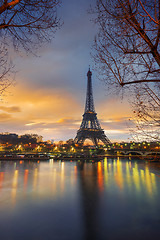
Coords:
pixel 11 109
pixel 42 104
pixel 114 109
pixel 57 114
pixel 5 117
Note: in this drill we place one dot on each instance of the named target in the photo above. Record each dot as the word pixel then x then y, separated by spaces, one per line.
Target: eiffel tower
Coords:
pixel 90 127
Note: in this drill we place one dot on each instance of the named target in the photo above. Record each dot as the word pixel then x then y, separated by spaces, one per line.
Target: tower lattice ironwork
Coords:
pixel 90 127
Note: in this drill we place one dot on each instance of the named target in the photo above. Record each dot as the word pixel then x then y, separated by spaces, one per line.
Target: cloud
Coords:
pixel 119 123
pixel 68 121
pixel 43 105
pixel 34 124
pixel 50 112
pixel 11 109
pixel 56 114
pixel 5 117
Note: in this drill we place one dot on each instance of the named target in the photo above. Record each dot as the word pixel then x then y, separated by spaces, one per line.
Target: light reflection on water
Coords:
pixel 111 199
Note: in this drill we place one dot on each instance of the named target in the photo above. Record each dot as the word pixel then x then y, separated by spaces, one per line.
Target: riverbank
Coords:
pixel 72 157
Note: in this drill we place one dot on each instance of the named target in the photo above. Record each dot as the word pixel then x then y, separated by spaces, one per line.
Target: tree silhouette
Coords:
pixel 127 49
pixel 24 25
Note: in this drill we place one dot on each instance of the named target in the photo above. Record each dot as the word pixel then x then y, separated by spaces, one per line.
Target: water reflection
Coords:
pixel 35 174
pixel 134 176
pixel 25 178
pixel 1 179
pixel 14 186
pixel 95 198
pixel 90 178
pixel 38 178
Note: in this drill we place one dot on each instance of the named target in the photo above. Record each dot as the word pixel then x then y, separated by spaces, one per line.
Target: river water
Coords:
pixel 112 199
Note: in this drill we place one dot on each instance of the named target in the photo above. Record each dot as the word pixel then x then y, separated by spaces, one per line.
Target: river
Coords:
pixel 112 199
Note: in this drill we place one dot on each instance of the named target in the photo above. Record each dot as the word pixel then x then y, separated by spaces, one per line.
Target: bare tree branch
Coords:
pixel 24 25
pixel 127 51
pixel 140 81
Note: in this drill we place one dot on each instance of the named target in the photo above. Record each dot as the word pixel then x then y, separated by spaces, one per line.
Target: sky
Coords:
pixel 49 95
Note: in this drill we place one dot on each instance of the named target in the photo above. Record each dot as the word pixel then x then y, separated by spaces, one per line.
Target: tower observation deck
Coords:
pixel 90 127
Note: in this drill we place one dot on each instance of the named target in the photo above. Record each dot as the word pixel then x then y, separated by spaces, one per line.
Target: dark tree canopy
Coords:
pixel 13 138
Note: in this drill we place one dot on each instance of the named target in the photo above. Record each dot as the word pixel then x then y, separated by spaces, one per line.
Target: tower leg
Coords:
pixel 95 141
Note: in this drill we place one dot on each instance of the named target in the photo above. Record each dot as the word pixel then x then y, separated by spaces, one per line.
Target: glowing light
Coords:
pixel 100 176
pixel 35 178
pixel 114 166
pixel 25 178
pixel 72 149
pixel 142 176
pixel 119 175
pixel 75 170
pixel 1 179
pixel 62 177
pixel 105 171
pixel 51 163
pixel 136 177
pixel 148 180
pixel 14 187
pixel 153 179
pixel 109 167
pixel 128 174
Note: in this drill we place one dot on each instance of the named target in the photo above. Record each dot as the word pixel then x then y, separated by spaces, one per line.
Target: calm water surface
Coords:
pixel 113 199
